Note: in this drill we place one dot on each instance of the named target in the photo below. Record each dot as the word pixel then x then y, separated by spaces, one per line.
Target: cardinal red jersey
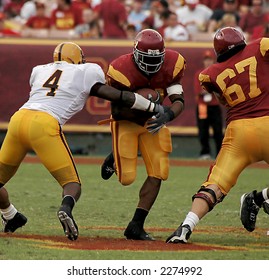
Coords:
pixel 124 74
pixel 38 22
pixel 241 82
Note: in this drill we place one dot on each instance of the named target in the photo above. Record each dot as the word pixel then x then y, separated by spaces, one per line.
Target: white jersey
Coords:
pixel 61 89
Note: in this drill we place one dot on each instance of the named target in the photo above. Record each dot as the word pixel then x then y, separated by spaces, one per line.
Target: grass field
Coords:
pixel 106 207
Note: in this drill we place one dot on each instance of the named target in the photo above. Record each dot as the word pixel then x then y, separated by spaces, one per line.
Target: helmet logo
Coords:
pixel 219 35
pixel 153 52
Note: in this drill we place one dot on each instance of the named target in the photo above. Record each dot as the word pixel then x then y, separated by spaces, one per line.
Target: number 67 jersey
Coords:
pixel 241 82
pixel 61 89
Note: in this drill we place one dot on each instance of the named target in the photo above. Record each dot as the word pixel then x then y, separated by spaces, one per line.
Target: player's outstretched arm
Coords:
pixel 128 98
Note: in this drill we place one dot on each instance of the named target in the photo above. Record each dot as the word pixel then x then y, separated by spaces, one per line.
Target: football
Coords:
pixel 149 93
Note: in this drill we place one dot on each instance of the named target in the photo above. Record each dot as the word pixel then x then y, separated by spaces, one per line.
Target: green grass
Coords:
pixel 108 204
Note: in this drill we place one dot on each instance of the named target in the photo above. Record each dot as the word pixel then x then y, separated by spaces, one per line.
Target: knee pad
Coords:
pixel 127 178
pixel 211 204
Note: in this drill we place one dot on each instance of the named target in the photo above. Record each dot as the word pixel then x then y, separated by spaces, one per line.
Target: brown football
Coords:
pixel 149 93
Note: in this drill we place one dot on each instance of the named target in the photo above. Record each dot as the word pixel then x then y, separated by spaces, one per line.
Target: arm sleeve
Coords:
pixel 94 74
pixel 264 48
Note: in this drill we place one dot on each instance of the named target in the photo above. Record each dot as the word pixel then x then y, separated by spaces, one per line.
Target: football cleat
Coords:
pixel 248 211
pixel 68 223
pixel 107 169
pixel 181 235
pixel 16 222
pixel 136 232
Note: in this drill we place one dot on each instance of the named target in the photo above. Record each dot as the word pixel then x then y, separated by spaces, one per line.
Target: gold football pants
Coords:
pixel 128 138
pixel 40 132
pixel 245 142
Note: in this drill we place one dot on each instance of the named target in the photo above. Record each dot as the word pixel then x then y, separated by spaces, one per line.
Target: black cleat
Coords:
pixel 17 221
pixel 136 232
pixel 107 169
pixel 181 235
pixel 69 225
pixel 248 211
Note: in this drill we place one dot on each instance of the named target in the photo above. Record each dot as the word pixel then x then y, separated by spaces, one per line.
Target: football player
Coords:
pixel 150 65
pixel 58 91
pixel 237 79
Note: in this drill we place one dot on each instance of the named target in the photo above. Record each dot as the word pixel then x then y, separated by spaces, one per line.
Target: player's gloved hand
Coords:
pixel 158 109
pixel 159 120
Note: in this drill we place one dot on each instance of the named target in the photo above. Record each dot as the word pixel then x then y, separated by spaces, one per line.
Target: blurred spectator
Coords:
pixel 229 6
pixel 80 5
pixel 164 17
pixel 3 3
pixel 194 16
pixel 242 5
pixel 131 31
pixel 212 4
pixel 175 31
pixel 5 31
pixel 255 17
pixel 64 17
pixel 89 28
pixel 261 30
pixel 137 15
pixel 157 9
pixel 175 4
pixel 128 6
pixel 12 9
pixel 28 10
pixel 40 20
pixel 208 113
pixel 229 20
pixel 113 15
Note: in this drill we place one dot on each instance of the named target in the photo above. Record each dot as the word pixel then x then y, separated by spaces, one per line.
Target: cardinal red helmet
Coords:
pixel 149 51
pixel 226 39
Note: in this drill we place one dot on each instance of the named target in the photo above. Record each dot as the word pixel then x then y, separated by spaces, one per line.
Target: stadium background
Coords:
pixel 85 136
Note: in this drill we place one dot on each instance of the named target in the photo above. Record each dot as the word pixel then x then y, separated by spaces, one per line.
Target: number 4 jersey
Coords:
pixel 242 82
pixel 61 89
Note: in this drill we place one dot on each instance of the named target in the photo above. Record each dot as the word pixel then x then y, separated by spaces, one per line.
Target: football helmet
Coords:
pixel 149 51
pixel 69 52
pixel 227 39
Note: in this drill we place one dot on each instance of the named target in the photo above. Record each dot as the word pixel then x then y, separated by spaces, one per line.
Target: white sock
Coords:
pixel 264 194
pixel 192 220
pixel 9 212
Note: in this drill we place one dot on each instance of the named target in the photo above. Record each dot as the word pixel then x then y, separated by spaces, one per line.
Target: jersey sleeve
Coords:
pixel 117 79
pixel 94 74
pixel 179 68
pixel 33 74
pixel 209 86
pixel 264 48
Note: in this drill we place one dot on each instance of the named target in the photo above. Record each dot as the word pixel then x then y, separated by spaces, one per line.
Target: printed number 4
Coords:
pixel 52 82
pixel 234 94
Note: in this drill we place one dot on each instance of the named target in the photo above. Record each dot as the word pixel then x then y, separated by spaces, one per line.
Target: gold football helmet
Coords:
pixel 69 52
